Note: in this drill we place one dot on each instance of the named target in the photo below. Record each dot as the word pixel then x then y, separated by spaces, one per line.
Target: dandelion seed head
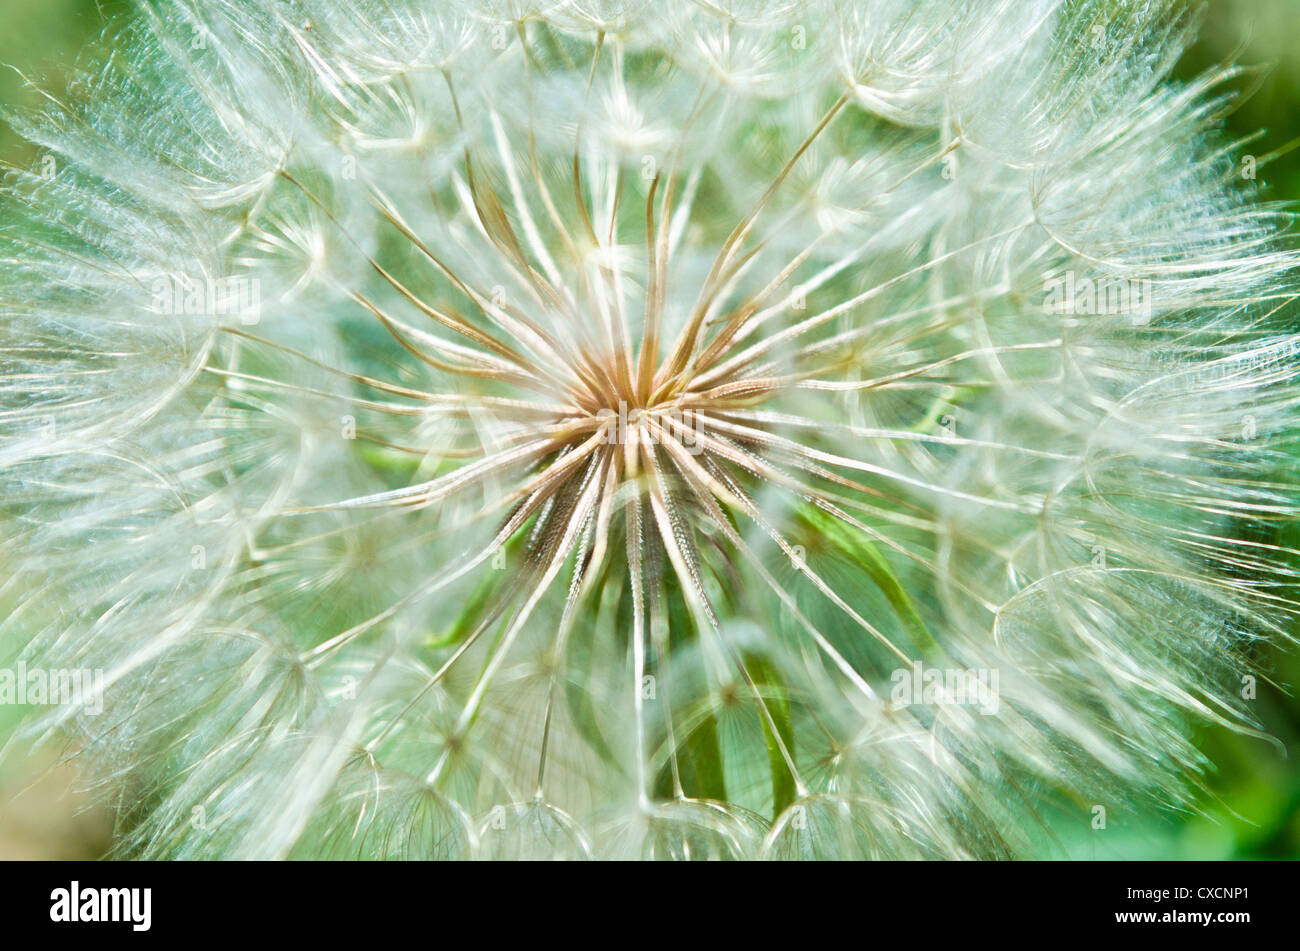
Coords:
pixel 572 429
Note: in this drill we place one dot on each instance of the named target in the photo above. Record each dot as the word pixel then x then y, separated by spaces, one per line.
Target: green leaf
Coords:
pixel 476 606
pixel 776 697
pixel 856 547
pixel 580 655
pixel 699 755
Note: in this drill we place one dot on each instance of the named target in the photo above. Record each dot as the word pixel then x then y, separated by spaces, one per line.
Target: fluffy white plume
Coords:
pixel 685 428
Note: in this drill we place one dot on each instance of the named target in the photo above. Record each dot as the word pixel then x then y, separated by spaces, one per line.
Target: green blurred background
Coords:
pixel 1252 803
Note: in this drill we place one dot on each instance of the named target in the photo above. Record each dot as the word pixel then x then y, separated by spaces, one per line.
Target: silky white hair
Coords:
pixel 558 428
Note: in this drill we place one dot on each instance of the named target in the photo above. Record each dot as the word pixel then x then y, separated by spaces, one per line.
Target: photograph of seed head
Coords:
pixel 649 429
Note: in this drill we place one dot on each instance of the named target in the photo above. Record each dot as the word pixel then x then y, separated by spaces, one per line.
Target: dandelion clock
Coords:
pixel 643 430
